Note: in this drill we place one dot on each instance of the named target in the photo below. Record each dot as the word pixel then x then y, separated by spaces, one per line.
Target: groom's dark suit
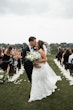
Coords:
pixel 27 64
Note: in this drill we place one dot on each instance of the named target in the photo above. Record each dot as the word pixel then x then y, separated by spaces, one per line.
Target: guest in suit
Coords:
pixel 27 64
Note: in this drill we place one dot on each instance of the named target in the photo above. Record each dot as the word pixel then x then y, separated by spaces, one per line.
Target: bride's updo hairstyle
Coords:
pixel 40 44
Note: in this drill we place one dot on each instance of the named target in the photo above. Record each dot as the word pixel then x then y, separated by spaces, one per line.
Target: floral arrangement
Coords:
pixel 33 57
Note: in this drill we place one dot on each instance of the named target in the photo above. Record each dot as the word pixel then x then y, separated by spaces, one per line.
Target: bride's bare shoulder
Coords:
pixel 41 51
pixel 43 54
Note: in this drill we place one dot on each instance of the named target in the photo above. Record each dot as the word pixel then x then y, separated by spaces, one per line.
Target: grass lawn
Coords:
pixel 15 96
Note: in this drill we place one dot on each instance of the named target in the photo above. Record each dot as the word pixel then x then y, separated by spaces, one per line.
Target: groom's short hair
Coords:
pixel 32 38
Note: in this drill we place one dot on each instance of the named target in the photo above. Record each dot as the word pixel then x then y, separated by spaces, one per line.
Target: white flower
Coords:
pixel 33 56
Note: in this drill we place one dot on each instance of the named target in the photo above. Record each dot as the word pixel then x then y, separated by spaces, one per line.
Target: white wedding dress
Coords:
pixel 43 82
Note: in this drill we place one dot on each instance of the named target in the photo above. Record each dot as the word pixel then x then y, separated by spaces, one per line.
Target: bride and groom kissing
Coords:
pixel 43 79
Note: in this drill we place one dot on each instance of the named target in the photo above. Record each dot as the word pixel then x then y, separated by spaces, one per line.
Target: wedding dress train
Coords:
pixel 43 82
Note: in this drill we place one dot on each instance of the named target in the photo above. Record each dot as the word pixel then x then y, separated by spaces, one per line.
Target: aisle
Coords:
pixel 16 75
pixel 65 72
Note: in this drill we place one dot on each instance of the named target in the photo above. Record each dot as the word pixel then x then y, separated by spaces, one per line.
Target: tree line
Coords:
pixel 18 46
pixel 53 46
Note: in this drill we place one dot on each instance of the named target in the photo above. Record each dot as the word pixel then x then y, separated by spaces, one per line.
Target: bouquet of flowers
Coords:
pixel 33 57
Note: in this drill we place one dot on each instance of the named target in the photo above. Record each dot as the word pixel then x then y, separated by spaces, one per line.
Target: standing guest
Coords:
pixel 59 54
pixel 21 54
pixel 70 63
pixel 66 56
pixel 1 57
pixel 62 60
pixel 6 64
pixel 18 56
pixel 70 60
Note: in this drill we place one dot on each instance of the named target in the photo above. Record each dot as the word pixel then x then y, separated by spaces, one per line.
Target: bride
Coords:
pixel 43 77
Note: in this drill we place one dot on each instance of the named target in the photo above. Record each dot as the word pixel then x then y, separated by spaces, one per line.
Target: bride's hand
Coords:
pixel 36 64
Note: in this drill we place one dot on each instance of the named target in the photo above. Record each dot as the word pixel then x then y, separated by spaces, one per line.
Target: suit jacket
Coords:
pixel 25 51
pixel 26 63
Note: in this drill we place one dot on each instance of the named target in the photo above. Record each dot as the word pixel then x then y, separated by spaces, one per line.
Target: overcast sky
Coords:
pixel 48 20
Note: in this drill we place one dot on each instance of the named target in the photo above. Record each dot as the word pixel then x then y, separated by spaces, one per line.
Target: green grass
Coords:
pixel 15 96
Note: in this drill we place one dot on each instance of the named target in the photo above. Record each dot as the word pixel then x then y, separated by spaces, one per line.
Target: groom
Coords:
pixel 27 64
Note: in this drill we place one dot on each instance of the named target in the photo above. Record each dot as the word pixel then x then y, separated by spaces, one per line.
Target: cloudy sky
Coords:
pixel 48 20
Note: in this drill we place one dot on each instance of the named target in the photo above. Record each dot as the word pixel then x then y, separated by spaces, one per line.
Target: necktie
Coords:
pixel 31 47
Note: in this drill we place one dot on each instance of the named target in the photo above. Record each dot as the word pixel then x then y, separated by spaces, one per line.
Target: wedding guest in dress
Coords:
pixel 62 60
pixel 22 48
pixel 1 57
pixel 18 56
pixel 66 57
pixel 6 63
pixel 59 54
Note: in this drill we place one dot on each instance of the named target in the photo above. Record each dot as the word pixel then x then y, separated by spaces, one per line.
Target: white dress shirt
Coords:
pixel 70 58
pixel 31 48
